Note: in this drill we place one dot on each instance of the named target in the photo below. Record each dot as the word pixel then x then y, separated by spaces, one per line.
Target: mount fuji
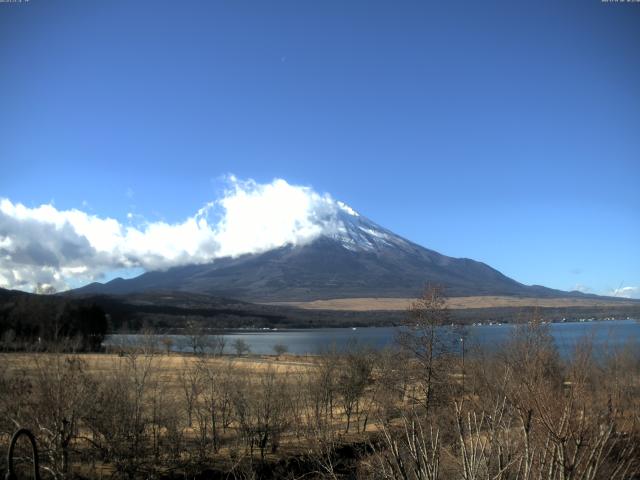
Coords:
pixel 354 258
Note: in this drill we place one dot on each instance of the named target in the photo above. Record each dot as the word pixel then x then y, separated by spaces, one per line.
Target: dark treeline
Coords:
pixel 419 411
pixel 30 321
pixel 30 317
pixel 170 312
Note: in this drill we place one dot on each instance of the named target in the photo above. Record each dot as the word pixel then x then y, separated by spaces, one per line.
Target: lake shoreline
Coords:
pixel 605 333
pixel 254 330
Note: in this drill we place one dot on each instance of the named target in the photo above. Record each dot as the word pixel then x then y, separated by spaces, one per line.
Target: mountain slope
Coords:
pixel 355 258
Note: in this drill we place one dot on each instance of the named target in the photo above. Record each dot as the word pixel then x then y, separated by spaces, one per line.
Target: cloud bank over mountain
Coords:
pixel 47 246
pixel 626 292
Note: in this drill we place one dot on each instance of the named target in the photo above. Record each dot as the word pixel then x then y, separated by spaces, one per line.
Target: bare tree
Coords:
pixel 216 344
pixel 421 340
pixel 190 381
pixel 118 419
pixel 61 393
pixel 241 347
pixel 261 410
pixel 353 378
pixel 280 349
pixel 195 335
pixel 8 339
pixel 168 343
pixel 410 452
pixel 213 407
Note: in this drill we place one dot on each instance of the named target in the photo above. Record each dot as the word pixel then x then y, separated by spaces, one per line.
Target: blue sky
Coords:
pixel 507 132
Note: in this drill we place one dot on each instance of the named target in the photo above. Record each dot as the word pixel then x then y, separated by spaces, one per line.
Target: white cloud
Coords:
pixel 261 217
pixel 582 288
pixel 626 292
pixel 44 245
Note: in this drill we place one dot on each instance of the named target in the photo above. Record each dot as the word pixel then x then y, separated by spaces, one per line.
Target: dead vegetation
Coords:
pixel 454 303
pixel 417 412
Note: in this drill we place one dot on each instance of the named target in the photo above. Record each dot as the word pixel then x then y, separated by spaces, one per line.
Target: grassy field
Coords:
pixel 355 414
pixel 454 303
pixel 167 370
pixel 266 398
pixel 167 366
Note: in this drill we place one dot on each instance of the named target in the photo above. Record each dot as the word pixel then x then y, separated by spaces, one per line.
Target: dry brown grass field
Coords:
pixel 179 383
pixel 402 304
pixel 168 367
pixel 416 412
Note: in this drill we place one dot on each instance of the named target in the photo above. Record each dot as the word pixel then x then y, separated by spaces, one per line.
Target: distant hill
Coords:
pixel 359 259
pixel 31 316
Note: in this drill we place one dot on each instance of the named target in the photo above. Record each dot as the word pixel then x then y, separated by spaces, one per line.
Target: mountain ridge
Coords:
pixel 355 257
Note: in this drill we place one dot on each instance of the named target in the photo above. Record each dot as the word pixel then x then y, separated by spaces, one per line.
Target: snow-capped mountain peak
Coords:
pixel 357 233
pixel 348 256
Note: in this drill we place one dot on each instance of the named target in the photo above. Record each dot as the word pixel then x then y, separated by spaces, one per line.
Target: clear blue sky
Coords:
pixel 507 132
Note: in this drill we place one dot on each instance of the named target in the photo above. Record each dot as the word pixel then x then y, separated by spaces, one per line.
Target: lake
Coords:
pixel 606 334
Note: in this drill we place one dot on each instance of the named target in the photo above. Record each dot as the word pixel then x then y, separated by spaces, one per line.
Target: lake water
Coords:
pixel 605 334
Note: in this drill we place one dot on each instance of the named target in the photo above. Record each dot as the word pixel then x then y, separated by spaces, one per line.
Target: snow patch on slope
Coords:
pixel 346 208
pixel 358 233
